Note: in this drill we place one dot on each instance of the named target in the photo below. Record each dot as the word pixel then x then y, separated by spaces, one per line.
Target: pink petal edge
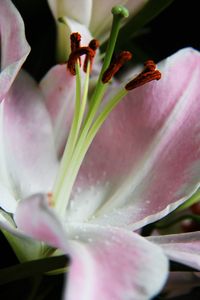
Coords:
pixel 29 150
pixel 14 47
pixel 107 263
pixel 182 247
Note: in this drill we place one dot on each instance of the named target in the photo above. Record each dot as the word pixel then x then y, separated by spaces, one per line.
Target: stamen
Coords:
pixel 50 199
pixel 77 51
pixel 150 73
pixel 114 67
pixel 74 56
pixel 75 39
pixel 93 45
pixel 150 65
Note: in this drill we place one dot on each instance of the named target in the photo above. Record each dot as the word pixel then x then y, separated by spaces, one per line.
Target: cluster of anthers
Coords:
pixel 77 51
pixel 148 74
pixel 88 119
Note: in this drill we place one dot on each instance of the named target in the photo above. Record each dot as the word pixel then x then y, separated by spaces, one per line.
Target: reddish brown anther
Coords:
pixel 75 39
pixel 77 51
pixel 150 73
pixel 50 199
pixel 149 66
pixel 114 67
pixel 74 56
pixel 93 45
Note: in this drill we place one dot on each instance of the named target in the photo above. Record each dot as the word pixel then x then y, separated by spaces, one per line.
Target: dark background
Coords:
pixel 176 27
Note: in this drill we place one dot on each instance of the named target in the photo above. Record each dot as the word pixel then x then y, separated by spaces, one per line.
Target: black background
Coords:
pixel 175 28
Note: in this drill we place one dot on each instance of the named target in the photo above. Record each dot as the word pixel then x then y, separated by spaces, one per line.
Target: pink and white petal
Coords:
pixel 145 161
pixel 29 150
pixel 135 6
pixel 35 218
pixel 75 26
pixel 183 247
pixel 58 89
pixel 79 10
pixel 7 201
pixel 102 17
pixel 107 263
pixel 113 264
pixel 13 45
pixel 86 37
pixel 24 247
pixel 77 20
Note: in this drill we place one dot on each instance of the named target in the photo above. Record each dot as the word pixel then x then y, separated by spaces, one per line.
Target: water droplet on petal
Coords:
pixel 79 190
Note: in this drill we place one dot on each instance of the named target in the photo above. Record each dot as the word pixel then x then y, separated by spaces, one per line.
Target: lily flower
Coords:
pixel 132 156
pixel 90 17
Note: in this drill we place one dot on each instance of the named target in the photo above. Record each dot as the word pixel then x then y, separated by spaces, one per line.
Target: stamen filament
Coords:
pixel 75 128
pixel 82 148
pixel 104 114
pixel 71 141
pixel 84 98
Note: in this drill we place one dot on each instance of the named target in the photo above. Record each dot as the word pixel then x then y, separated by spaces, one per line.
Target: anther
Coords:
pixel 77 51
pixel 114 67
pixel 75 39
pixel 93 45
pixel 50 199
pixel 74 56
pixel 150 73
